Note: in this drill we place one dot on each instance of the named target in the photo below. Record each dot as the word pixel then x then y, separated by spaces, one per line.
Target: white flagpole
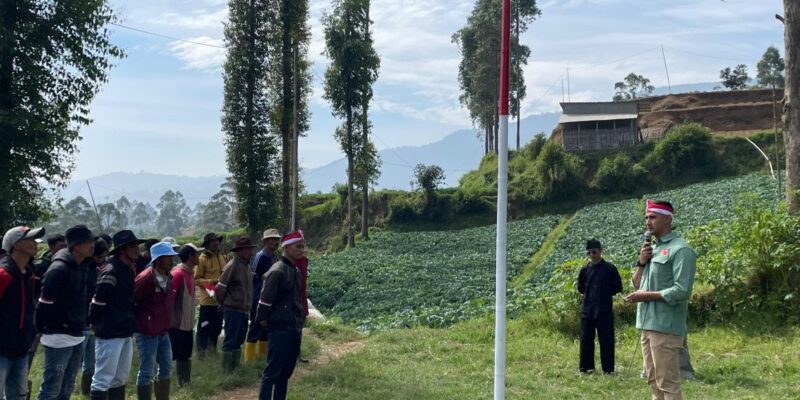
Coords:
pixel 502 211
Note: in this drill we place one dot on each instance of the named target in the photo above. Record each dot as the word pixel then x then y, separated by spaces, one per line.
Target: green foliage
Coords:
pixel 421 278
pixel 686 148
pixel 633 87
pixel 428 178
pixel 251 148
pixel 555 174
pixel 618 174
pixel 171 213
pixel 751 260
pixel 770 69
pixel 736 79
pixel 54 58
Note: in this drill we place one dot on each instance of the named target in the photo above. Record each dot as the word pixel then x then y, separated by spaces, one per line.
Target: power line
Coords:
pixel 702 55
pixel 391 149
pixel 161 35
pixel 616 60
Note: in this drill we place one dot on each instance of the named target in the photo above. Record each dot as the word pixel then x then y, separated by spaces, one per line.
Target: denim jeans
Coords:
pixel 235 329
pixel 153 350
pixel 14 377
pixel 88 355
pixel 113 363
pixel 284 348
pixel 60 369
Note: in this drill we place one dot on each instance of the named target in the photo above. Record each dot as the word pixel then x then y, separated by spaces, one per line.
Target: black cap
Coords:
pixel 592 244
pixel 100 246
pixel 124 238
pixel 78 234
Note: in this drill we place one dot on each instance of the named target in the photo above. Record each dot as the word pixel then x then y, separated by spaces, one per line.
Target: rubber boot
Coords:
pixel 236 359
pixel 116 393
pixel 249 352
pixel 184 372
pixel 161 389
pixel 261 349
pixel 86 384
pixel 98 395
pixel 227 361
pixel 30 386
pixel 144 392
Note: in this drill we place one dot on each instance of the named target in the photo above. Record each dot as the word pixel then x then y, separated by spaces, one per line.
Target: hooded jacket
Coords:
pixel 62 305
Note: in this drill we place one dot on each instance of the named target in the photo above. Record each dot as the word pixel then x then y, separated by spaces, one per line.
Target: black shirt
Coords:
pixel 598 284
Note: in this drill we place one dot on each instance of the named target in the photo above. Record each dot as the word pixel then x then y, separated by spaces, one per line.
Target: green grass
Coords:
pixel 457 363
pixel 207 376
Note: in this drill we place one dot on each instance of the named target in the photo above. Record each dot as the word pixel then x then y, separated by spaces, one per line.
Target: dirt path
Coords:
pixel 327 354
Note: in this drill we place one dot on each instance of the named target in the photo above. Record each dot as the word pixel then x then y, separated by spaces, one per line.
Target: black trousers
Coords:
pixel 182 343
pixel 209 326
pixel 284 348
pixel 604 327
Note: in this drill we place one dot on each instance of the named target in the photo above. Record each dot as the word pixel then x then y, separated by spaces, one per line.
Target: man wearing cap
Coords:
pixel 93 269
pixel 111 315
pixel 234 292
pixel 16 309
pixel 181 330
pixel 55 243
pixel 598 282
pixel 154 299
pixel 206 276
pixel 61 314
pixel 281 312
pixel 663 278
pixel 256 346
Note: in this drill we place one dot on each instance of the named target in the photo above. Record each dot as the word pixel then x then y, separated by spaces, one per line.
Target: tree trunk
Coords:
pixel 791 105
pixel 8 18
pixel 249 121
pixel 365 142
pixel 286 105
pixel 351 242
pixel 485 141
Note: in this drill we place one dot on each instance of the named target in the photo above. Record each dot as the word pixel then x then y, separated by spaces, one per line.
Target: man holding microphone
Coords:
pixel 663 278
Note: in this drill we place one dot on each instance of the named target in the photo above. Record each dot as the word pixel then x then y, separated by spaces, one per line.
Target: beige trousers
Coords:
pixel 661 364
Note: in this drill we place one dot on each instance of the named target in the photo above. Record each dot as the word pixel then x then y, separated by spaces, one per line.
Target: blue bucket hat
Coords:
pixel 161 249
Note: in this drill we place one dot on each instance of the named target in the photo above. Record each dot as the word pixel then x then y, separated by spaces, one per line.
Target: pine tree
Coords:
pixel 251 149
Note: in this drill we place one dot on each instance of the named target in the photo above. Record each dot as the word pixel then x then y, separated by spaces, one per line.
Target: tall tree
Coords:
pixel 633 87
pixel 171 213
pixel 54 57
pixel 251 151
pixel 791 102
pixel 367 164
pixel 735 79
pixel 479 69
pixel 770 69
pixel 292 39
pixel 353 67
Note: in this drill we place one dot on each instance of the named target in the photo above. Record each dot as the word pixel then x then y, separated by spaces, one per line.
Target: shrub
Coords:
pixel 556 173
pixel 686 147
pixel 618 174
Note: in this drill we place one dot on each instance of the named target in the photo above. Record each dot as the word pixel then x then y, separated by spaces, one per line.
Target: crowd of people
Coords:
pixel 89 300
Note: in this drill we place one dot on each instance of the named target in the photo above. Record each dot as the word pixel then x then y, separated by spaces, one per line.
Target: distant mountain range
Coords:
pixel 457 153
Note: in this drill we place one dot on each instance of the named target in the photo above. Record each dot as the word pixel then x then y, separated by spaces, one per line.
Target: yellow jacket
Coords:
pixel 207 272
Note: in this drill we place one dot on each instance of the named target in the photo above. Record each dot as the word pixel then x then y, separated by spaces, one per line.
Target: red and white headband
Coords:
pixel 659 208
pixel 292 238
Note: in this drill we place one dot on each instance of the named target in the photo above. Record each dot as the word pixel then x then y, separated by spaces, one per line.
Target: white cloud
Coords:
pixel 203 58
pixel 199 19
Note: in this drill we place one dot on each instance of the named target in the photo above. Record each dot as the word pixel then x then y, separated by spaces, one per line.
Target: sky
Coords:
pixel 160 110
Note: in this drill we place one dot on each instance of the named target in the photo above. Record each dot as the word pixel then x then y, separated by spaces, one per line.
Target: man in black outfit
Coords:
pixel 598 282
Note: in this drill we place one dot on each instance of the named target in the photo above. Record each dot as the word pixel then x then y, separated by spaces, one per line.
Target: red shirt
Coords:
pixel 153 305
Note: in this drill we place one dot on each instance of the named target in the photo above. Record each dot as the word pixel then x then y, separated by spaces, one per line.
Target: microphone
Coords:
pixel 648 236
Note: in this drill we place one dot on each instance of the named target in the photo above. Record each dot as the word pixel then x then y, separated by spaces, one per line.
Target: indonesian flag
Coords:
pixel 657 208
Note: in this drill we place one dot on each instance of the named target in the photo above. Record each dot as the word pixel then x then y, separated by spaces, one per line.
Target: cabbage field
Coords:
pixel 423 278
pixel 620 225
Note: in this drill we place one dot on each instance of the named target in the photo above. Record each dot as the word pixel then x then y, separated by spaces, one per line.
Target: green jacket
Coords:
pixel 670 272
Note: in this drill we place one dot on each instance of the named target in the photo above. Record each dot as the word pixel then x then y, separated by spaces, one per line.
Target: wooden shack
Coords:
pixel 599 126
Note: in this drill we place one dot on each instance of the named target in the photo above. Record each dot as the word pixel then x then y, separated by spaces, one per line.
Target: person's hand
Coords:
pixel 645 254
pixel 636 297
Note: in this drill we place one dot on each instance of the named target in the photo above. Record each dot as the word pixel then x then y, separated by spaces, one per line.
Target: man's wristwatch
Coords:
pixel 640 265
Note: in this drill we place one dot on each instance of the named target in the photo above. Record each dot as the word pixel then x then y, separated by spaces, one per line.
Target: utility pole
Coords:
pixel 663 56
pixel 96 214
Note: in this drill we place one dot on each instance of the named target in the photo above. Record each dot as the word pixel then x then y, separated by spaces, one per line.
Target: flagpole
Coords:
pixel 502 211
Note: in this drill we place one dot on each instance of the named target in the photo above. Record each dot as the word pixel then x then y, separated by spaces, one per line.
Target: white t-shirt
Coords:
pixel 61 341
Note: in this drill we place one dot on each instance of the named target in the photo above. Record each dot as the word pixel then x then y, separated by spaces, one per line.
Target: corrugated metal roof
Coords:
pixel 594 117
